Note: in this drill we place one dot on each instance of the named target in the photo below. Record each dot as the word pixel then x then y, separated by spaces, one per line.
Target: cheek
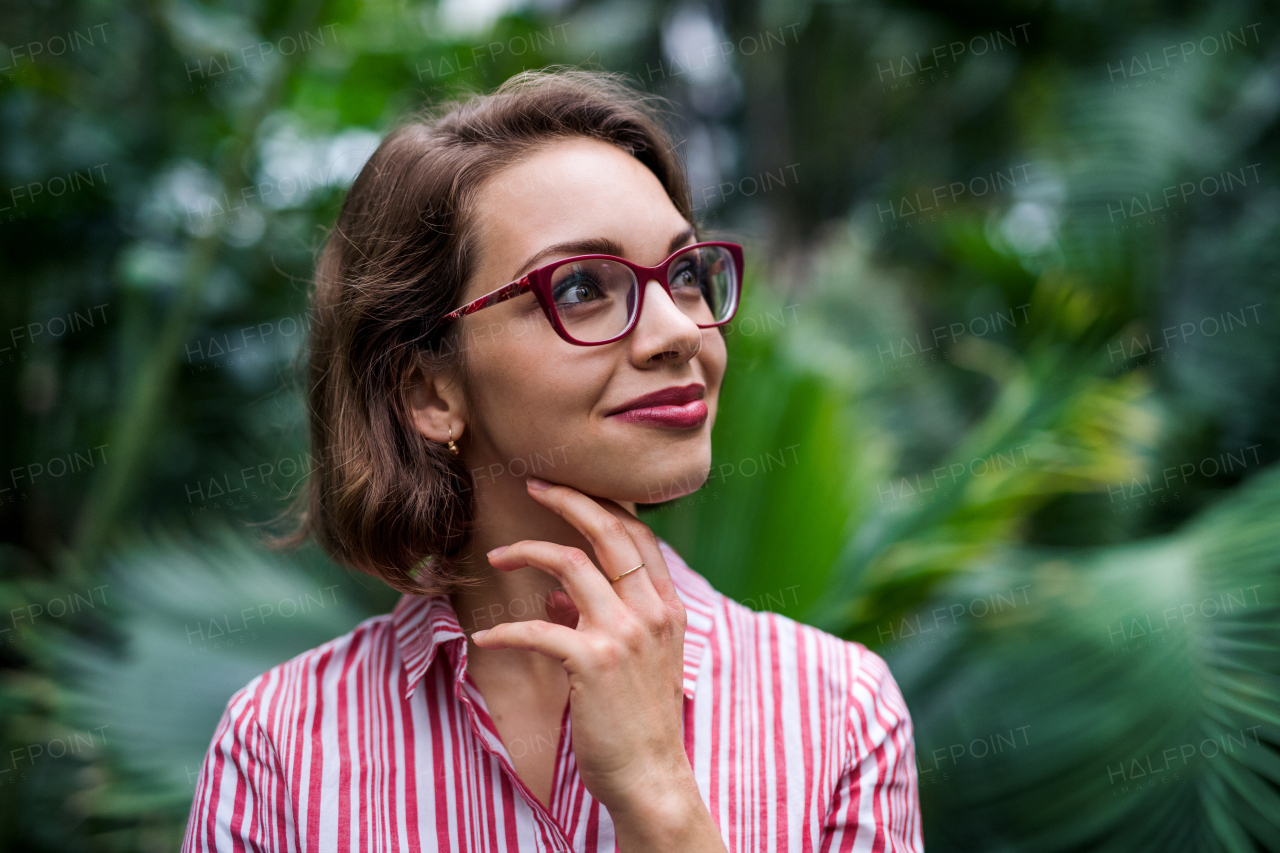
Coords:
pixel 511 379
pixel 529 387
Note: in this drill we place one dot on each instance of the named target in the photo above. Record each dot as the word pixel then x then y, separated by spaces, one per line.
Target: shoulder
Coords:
pixel 306 677
pixel 790 648
pixel 847 670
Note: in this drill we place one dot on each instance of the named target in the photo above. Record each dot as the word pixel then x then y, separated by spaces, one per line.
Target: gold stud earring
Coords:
pixel 452 446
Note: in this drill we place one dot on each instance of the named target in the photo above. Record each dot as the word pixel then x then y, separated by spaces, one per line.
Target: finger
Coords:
pixel 580 577
pixel 561 609
pixel 646 542
pixel 608 537
pixel 657 575
pixel 534 635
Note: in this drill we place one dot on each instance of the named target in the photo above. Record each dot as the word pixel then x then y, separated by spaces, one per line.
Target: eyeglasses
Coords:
pixel 596 299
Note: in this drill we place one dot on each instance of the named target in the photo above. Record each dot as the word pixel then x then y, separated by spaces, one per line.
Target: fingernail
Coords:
pixel 478 634
pixel 538 484
pixel 496 551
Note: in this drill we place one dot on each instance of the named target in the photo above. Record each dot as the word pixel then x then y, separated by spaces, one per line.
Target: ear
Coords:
pixel 436 404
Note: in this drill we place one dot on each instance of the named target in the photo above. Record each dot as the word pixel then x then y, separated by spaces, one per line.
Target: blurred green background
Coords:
pixel 1003 399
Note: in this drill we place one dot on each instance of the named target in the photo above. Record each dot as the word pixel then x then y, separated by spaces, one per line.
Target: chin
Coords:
pixel 658 484
pixel 645 471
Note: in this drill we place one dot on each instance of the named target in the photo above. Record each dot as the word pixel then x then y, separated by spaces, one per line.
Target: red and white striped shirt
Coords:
pixel 379 741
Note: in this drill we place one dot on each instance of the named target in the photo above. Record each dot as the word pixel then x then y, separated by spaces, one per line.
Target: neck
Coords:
pixel 505 514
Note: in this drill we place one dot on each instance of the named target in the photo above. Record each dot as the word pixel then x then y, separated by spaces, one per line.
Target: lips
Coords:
pixel 679 407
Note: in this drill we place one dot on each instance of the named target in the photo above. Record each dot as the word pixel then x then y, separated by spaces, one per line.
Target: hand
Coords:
pixel 624 659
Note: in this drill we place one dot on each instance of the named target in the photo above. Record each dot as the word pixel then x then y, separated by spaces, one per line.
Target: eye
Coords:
pixel 687 275
pixel 577 288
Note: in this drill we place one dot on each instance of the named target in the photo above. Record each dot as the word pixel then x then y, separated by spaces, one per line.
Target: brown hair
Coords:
pixel 382 498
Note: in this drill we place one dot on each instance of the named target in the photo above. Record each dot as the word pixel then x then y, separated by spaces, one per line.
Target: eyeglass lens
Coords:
pixel 596 299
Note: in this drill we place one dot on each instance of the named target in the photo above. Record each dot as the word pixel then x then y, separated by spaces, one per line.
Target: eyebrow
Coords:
pixel 596 246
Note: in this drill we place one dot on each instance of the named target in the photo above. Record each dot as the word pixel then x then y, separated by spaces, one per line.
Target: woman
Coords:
pixel 554 677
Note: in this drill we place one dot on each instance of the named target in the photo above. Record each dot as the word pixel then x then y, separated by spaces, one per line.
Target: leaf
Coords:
pixel 1141 675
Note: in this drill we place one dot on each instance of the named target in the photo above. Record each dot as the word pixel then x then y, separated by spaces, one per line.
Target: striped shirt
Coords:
pixel 379 741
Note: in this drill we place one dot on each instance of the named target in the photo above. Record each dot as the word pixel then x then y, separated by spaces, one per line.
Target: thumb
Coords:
pixel 561 609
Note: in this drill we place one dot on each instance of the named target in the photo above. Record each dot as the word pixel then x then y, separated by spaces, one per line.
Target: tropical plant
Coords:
pixel 967 439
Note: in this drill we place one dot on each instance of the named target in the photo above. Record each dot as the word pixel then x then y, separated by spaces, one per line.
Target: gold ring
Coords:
pixel 627 572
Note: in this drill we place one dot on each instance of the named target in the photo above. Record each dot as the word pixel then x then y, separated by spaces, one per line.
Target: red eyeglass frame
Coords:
pixel 539 281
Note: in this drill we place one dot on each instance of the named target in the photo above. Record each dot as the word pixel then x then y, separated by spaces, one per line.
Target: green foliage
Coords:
pixel 975 437
pixel 782 463
pixel 1138 684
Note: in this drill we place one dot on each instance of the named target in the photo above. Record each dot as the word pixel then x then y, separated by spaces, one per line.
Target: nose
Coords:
pixel 663 331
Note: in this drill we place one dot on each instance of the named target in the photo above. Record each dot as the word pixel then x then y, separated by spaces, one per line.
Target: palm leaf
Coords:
pixel 196 619
pixel 1141 685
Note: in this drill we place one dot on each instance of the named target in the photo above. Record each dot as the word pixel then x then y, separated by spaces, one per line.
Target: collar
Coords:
pixel 425 624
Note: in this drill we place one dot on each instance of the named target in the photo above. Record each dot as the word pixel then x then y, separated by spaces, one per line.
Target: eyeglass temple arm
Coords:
pixel 502 294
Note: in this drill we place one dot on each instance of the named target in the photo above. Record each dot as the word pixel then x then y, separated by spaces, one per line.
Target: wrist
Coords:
pixel 675 819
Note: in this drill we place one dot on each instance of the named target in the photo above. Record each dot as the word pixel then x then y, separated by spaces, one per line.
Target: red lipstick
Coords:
pixel 677 407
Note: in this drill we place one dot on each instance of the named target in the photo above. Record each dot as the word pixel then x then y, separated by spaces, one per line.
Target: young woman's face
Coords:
pixel 543 406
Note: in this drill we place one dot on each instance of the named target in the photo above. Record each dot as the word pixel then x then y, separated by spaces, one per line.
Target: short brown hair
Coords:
pixel 381 498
